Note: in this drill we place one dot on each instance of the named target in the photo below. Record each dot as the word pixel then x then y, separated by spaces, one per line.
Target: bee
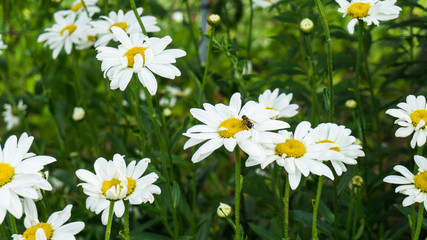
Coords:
pixel 247 122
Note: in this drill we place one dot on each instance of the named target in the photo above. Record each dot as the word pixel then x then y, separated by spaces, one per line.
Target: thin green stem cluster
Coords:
pixel 239 182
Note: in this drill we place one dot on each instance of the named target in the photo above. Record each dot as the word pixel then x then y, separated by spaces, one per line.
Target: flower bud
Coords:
pixel 224 210
pixel 306 25
pixel 357 181
pixel 214 20
pixel 167 112
pixel 78 114
pixel 350 104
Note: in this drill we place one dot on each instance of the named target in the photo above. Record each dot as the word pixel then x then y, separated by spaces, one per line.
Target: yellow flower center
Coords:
pixel 417 116
pixel 6 173
pixel 269 108
pixel 420 181
pixel 233 126
pixel 292 148
pixel 114 182
pixel 130 54
pixel 30 233
pixel 358 10
pixel 332 148
pixel 76 7
pixel 71 28
pixel 122 25
pixel 90 38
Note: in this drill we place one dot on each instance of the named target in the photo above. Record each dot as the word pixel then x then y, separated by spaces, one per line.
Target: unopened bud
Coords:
pixel 167 112
pixel 350 104
pixel 306 25
pixel 358 142
pixel 224 210
pixel 357 181
pixel 78 114
pixel 214 20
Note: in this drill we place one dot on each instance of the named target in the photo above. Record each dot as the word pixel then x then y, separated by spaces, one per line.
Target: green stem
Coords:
pixel 419 221
pixel 110 221
pixel 311 76
pixel 85 7
pixel 286 202
pixel 205 74
pixel 3 231
pixel 163 159
pixel 126 216
pixel 251 14
pixel 316 206
pixel 132 3
pixel 137 108
pixel 13 224
pixel 194 199
pixel 329 57
pixel 349 213
pixel 336 207
pixel 237 193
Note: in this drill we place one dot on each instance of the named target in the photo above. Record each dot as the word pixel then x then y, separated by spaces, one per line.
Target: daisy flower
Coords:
pixel 298 153
pixel 67 30
pixel 415 187
pixel 127 22
pixel 347 150
pixel 412 118
pixel 370 11
pixel 113 181
pixel 53 228
pixel 78 8
pixel 20 174
pixel 279 103
pixel 232 125
pixel 141 55
pixel 11 117
pixel 263 3
pixel 2 45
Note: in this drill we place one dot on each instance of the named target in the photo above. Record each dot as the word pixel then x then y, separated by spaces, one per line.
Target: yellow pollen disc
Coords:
pixel 269 108
pixel 76 7
pixel 417 116
pixel 233 125
pixel 6 173
pixel 90 38
pixel 122 25
pixel 332 148
pixel 358 10
pixel 115 182
pixel 71 28
pixel 292 148
pixel 30 233
pixel 420 181
pixel 130 54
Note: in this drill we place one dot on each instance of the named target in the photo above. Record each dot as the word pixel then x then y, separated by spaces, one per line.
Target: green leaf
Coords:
pixel 176 194
pixel 264 234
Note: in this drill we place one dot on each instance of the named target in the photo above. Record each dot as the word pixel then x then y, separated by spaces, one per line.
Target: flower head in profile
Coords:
pixel 141 55
pixel 263 3
pixel 53 229
pixel 78 8
pixel 114 181
pixel 2 45
pixel 298 153
pixel 67 30
pixel 11 116
pixel 414 186
pixel 370 11
pixel 20 174
pixel 232 125
pixel 412 118
pixel 346 149
pixel 127 22
pixel 279 103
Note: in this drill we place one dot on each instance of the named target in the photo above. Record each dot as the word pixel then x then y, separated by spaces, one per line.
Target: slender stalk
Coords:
pixel 3 231
pixel 193 202
pixel 13 224
pixel 316 206
pixel 286 202
pixel 85 7
pixel 251 18
pixel 163 159
pixel 349 213
pixel 311 76
pixel 237 193
pixel 136 87
pixel 110 221
pixel 132 3
pixel 126 218
pixel 419 221
pixel 358 78
pixel 205 74
pixel 190 28
pixel 336 207
pixel 329 57
pixel 277 186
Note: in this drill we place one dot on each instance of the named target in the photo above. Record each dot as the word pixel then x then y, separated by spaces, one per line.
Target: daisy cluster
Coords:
pixel 136 54
pixel 412 119
pixel 250 127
